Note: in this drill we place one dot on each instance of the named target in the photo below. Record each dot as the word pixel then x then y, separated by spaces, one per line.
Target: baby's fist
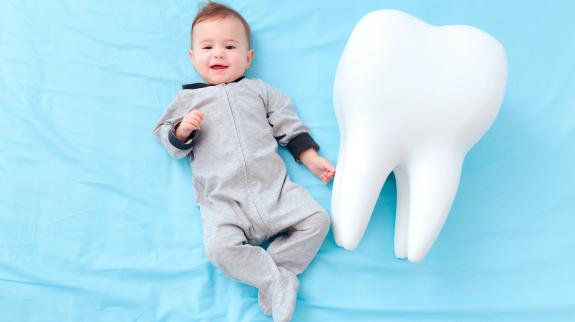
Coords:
pixel 320 167
pixel 191 122
pixel 324 170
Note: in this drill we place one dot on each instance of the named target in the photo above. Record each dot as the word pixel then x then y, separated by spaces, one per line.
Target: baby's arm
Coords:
pixel 168 132
pixel 291 132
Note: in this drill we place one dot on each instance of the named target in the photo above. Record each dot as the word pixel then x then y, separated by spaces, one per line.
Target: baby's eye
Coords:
pixel 230 47
pixel 207 47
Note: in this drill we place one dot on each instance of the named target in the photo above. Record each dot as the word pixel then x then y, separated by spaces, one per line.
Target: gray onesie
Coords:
pixel 241 183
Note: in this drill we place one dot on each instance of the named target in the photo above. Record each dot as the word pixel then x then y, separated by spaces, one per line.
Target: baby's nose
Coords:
pixel 219 54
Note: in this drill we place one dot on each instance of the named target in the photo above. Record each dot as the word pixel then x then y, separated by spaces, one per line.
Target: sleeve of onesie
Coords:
pixel 288 129
pixel 165 130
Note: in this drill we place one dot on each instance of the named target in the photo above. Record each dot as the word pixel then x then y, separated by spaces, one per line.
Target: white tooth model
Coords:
pixel 411 98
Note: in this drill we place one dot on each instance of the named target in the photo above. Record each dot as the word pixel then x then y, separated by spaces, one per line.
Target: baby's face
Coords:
pixel 220 51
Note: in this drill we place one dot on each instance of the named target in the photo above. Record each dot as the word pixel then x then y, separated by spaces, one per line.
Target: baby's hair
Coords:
pixel 217 10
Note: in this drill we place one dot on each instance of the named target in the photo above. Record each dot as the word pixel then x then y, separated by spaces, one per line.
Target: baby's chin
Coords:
pixel 220 80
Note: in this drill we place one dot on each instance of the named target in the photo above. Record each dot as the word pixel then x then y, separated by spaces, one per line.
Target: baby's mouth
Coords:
pixel 218 67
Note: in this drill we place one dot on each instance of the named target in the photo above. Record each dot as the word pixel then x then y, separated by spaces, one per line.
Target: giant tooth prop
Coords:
pixel 411 98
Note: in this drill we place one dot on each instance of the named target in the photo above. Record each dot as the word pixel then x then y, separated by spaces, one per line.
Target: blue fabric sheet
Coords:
pixel 97 222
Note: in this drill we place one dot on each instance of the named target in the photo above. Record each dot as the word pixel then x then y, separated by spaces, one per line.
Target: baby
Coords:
pixel 229 127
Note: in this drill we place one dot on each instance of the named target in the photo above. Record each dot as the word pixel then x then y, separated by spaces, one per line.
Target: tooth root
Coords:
pixel 361 173
pixel 432 182
pixel 401 213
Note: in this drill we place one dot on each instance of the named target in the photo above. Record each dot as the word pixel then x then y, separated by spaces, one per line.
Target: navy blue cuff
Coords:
pixel 179 144
pixel 300 143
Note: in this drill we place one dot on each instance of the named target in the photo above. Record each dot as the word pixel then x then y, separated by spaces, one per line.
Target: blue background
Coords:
pixel 97 222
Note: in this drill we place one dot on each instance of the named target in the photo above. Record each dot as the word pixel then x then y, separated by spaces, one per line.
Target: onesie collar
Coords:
pixel 202 85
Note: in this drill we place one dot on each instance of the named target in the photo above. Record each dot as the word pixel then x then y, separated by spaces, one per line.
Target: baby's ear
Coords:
pixel 250 57
pixel 190 54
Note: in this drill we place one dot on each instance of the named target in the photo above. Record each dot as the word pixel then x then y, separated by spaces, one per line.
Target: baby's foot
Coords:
pixel 284 296
pixel 265 303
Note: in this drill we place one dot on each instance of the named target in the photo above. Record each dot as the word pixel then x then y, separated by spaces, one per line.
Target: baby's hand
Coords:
pixel 320 167
pixel 192 121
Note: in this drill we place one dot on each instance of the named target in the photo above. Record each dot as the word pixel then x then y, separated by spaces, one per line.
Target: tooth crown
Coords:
pixel 425 98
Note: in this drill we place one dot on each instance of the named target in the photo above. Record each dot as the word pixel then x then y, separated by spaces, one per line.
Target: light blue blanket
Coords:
pixel 97 222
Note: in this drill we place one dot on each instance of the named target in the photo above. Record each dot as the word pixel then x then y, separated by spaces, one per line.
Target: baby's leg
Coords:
pixel 296 249
pixel 227 248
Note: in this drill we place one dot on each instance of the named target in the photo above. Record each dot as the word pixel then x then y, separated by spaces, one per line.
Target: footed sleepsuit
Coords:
pixel 241 183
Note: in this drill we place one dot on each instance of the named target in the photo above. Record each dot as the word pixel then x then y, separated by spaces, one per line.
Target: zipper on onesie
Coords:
pixel 246 171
